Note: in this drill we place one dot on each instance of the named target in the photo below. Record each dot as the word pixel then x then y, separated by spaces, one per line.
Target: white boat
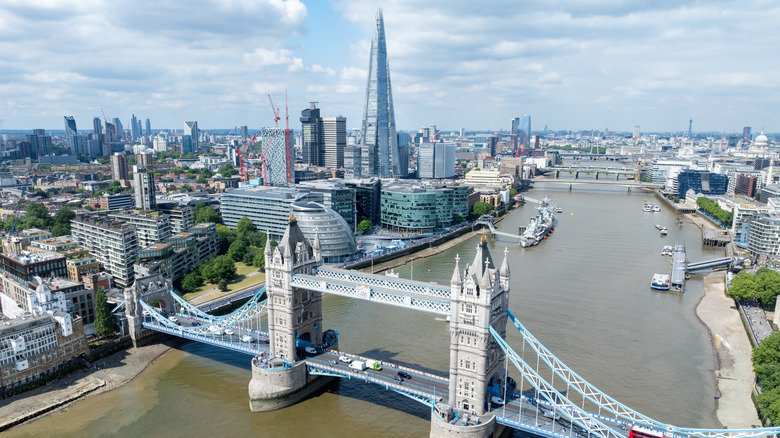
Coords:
pixel 656 208
pixel 540 226
pixel 659 227
pixel 664 232
pixel 647 207
pixel 558 210
pixel 667 251
pixel 660 282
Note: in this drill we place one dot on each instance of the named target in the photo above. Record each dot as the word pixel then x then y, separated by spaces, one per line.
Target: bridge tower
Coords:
pixel 146 289
pixel 480 299
pixel 294 315
pixel 294 319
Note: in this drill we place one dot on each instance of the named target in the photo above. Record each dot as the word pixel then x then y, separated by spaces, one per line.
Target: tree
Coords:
pixel 259 261
pixel 244 226
pixel 227 170
pixel 768 351
pixel 481 208
pixel 218 268
pixel 237 250
pixel 743 286
pixel 104 324
pixel 249 255
pixel 191 281
pixel 206 213
pixel 223 285
pixel 768 287
pixel 37 215
pixel 513 192
pixel 456 218
pixel 364 226
pixel 201 180
pixel 226 238
pixel 60 230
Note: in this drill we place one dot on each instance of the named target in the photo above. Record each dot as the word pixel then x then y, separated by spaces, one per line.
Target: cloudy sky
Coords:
pixel 570 64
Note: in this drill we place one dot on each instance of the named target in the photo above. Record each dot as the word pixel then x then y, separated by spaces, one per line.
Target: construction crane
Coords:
pixel 433 137
pixel 13 236
pixel 240 151
pixel 275 111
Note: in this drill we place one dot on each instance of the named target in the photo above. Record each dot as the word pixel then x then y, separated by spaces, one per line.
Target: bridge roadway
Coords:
pixel 519 412
pixel 417 295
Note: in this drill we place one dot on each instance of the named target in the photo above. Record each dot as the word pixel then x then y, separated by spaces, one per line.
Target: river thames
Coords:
pixel 584 292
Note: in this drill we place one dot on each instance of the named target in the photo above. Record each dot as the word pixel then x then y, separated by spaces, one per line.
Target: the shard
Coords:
pixel 381 155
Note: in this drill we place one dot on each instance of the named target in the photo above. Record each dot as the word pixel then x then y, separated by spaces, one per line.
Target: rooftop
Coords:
pixel 27 257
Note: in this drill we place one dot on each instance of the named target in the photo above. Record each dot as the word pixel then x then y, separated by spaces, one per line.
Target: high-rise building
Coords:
pixel 747 134
pixel 334 130
pixel 143 186
pixel 524 136
pixel 636 131
pixel 119 167
pixel 245 132
pixel 114 243
pixel 148 127
pixel 134 131
pixel 97 126
pixel 120 130
pixel 279 156
pixel 40 143
pixel 191 130
pixel 378 136
pixel 515 129
pixel 436 160
pixel 312 136
pixel 70 134
pixel 353 164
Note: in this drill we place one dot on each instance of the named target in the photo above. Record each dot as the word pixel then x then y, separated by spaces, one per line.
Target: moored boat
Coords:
pixel 540 225
pixel 660 282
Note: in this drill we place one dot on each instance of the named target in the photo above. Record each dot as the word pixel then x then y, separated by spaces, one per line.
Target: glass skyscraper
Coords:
pixel 524 137
pixel 378 136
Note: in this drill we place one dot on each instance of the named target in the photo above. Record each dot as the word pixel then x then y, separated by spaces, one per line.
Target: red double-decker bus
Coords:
pixel 643 432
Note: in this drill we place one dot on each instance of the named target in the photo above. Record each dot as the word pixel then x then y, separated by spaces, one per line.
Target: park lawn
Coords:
pixel 242 269
pixel 248 281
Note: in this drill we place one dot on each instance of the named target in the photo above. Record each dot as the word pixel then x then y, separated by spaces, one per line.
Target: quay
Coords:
pixel 679 263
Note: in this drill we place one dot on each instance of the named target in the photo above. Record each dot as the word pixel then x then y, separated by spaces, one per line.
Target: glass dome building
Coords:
pixel 336 238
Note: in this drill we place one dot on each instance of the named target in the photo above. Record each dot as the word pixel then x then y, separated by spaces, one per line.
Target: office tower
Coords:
pixel 70 134
pixel 436 160
pixel 690 126
pixel 143 186
pixel 312 136
pixel 40 143
pixel 352 162
pixel 120 130
pixel 377 135
pixel 279 158
pixel 524 136
pixel 245 132
pixel 119 167
pixel 636 132
pixel 747 134
pixel 148 127
pixel 134 134
pixel 462 132
pixel 97 127
pixel 334 131
pixel 515 129
pixel 191 130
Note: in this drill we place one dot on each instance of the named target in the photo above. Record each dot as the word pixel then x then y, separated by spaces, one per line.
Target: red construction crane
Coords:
pixel 433 138
pixel 239 151
pixel 275 111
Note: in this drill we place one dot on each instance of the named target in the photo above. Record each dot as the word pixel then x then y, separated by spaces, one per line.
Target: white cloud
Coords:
pixel 263 57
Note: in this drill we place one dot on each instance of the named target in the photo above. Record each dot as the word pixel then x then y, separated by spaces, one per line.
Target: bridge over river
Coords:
pixel 490 385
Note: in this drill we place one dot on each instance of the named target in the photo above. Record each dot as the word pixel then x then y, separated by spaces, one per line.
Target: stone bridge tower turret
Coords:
pixel 479 300
pixel 294 315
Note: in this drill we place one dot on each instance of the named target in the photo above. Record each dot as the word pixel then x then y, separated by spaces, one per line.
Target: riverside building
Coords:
pixel 181 252
pixel 421 207
pixel 31 348
pixel 321 223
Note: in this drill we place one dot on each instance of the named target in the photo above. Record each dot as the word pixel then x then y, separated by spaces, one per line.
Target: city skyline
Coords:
pixel 569 65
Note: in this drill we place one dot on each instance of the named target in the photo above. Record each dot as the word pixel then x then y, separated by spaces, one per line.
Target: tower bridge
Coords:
pixel 489 386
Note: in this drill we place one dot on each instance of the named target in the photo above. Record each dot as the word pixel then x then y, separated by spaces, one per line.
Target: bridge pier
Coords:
pixel 274 386
pixel 441 426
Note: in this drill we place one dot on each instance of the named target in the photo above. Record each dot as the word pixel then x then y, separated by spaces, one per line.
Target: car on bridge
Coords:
pixel 345 359
pixel 498 401
pixel 247 338
pixel 310 350
pixel 404 375
pixel 173 319
pixel 549 413
pixel 229 332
